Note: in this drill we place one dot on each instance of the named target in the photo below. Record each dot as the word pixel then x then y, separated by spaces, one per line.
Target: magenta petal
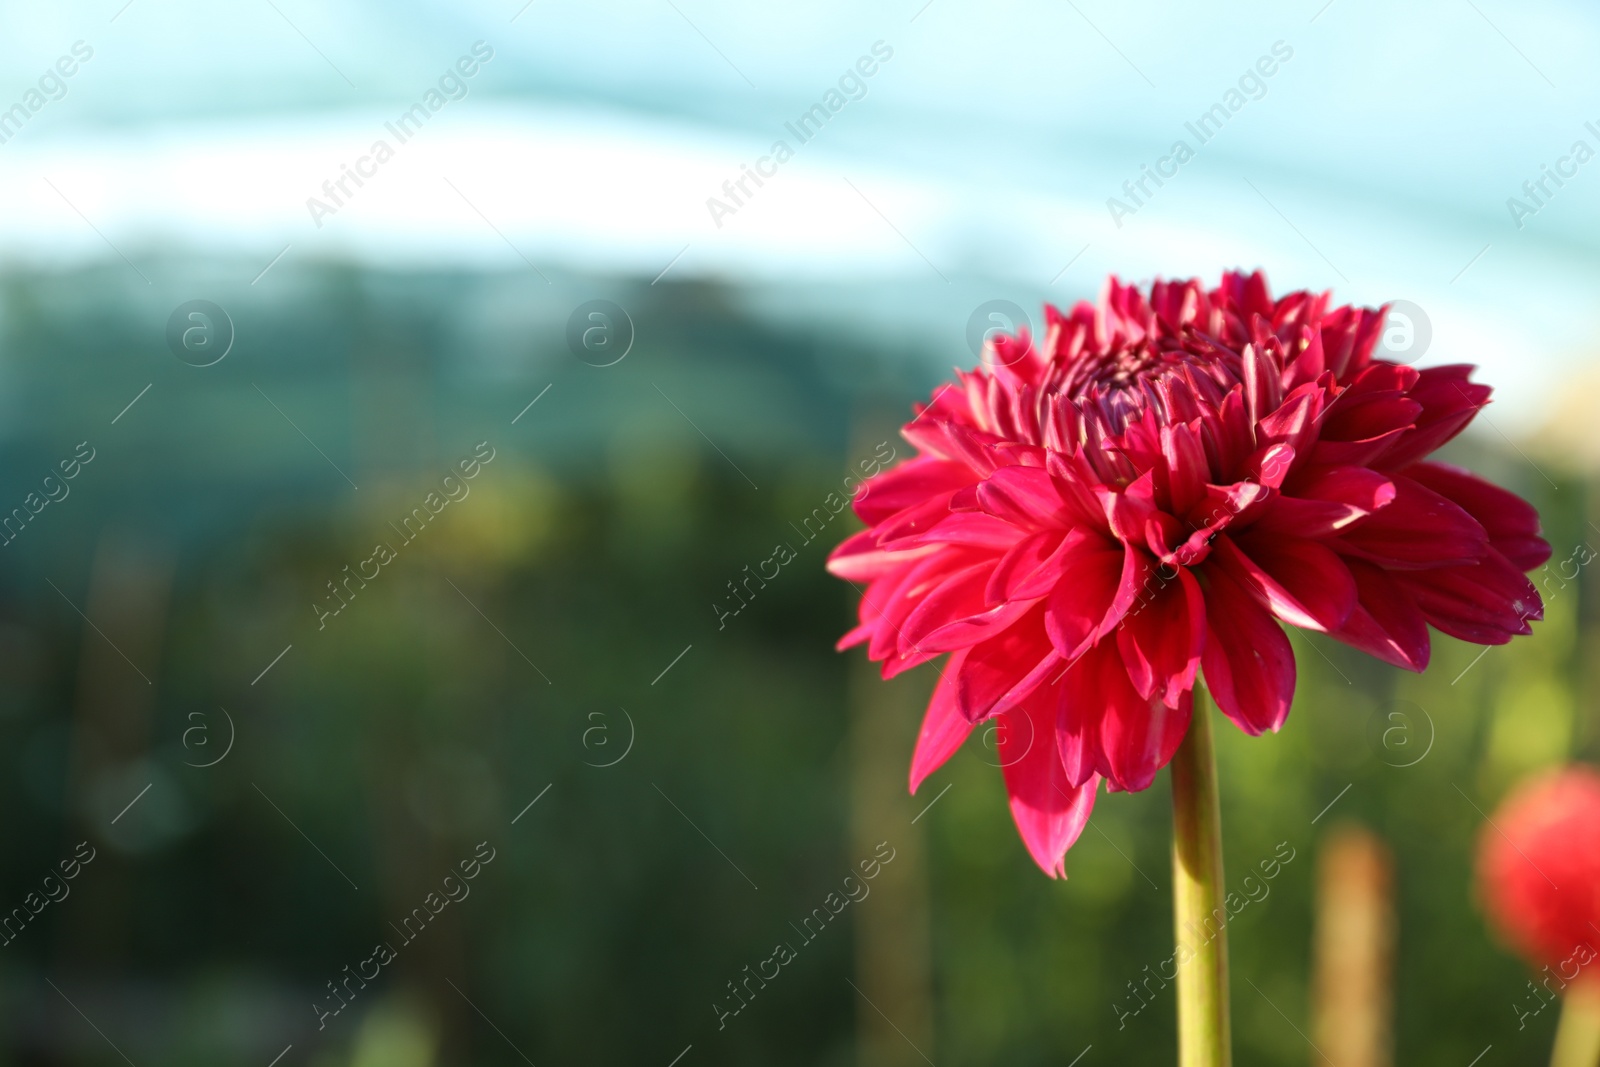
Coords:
pixel 897 665
pixel 1262 389
pixel 859 559
pixel 1300 581
pixel 888 603
pixel 1000 672
pixel 1486 603
pixel 1161 639
pixel 1222 506
pixel 1248 662
pixel 1321 501
pixel 1078 721
pixel 1089 584
pixel 1372 416
pixel 1368 490
pixel 915 520
pixel 1235 432
pixel 1386 622
pixel 957 596
pixel 1028 570
pixel 970 528
pixel 1357 453
pixel 1510 521
pixel 1138 735
pixel 1417 530
pixel 895 597
pixel 870 611
pixel 1296 422
pixel 908 485
pixel 1308 518
pixel 1188 472
pixel 1130 510
pixel 1049 812
pixel 1137 571
pixel 1076 483
pixel 1269 465
pixel 1023 496
pixel 975 628
pixel 855 636
pixel 944 728
pixel 1449 401
pixel 952 441
pixel 1303 583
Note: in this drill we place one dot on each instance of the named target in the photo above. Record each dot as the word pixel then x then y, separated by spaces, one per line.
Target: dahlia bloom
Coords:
pixel 1096 521
pixel 1539 872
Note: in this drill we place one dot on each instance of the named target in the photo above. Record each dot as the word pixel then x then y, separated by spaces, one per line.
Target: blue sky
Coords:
pixel 978 164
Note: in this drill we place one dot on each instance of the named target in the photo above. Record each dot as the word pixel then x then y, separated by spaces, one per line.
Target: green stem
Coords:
pixel 1578 1035
pixel 1199 915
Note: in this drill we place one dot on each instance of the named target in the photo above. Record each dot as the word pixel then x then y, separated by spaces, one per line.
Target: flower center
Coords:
pixel 1125 366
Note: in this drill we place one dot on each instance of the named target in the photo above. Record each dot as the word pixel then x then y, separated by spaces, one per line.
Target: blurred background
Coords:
pixel 257 368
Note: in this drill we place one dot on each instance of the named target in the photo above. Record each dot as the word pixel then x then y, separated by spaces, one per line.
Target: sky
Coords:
pixel 977 161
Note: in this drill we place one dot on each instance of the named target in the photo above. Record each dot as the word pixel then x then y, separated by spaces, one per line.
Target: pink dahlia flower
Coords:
pixel 1539 871
pixel 1094 522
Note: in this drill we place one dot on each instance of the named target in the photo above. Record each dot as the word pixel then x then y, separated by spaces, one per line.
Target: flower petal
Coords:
pixel 944 728
pixel 1049 811
pixel 1296 421
pixel 1137 735
pixel 1187 468
pixel 1025 497
pixel 998 673
pixel 1386 621
pixel 1417 530
pixel 859 559
pixel 1099 583
pixel 890 600
pixel 973 629
pixel 1510 521
pixel 1248 662
pixel 1029 570
pixel 972 528
pixel 907 485
pixel 1321 501
pixel 958 596
pixel 1486 603
pixel 1078 720
pixel 1448 402
pixel 870 611
pixel 1303 583
pixel 912 521
pixel 1161 638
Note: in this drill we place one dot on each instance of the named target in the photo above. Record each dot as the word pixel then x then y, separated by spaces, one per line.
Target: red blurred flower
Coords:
pixel 1539 871
pixel 1094 521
